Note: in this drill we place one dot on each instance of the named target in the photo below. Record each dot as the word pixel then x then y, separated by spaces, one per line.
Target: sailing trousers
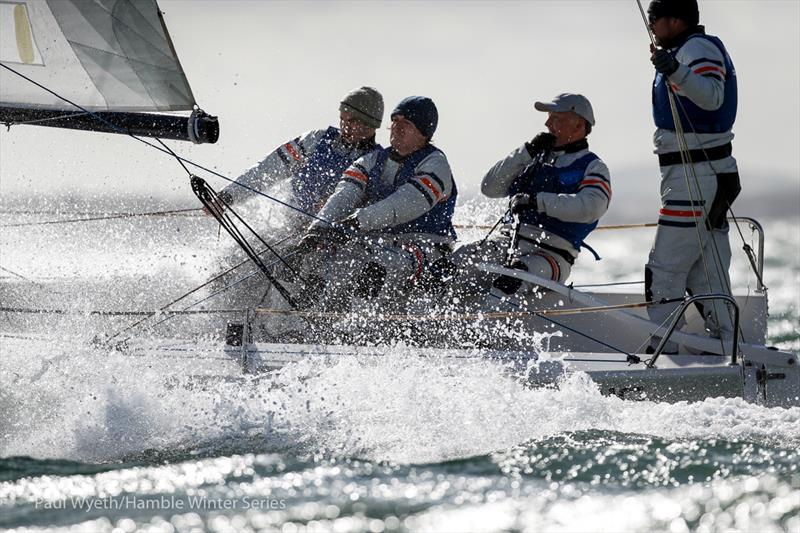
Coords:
pixel 691 252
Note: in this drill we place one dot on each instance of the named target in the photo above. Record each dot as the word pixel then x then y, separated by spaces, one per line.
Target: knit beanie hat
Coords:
pixel 365 104
pixel 686 10
pixel 420 111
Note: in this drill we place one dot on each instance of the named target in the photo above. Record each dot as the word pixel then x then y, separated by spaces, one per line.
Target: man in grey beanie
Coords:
pixel 313 162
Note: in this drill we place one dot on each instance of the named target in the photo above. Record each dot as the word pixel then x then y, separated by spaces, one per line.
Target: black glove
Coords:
pixel 311 241
pixel 508 285
pixel 543 142
pixel 664 62
pixel 522 202
pixel 341 231
pixel 349 225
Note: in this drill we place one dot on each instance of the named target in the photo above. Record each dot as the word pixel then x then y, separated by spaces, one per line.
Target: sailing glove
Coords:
pixel 522 202
pixel 543 142
pixel 347 227
pixel 664 62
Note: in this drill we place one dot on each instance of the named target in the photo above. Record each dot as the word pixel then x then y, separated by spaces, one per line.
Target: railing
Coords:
pixel 650 363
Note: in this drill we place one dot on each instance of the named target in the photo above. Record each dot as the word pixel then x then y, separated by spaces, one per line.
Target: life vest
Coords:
pixel 437 221
pixel 316 180
pixel 694 118
pixel 559 180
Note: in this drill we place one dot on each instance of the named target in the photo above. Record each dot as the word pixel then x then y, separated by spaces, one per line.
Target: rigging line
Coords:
pixel 212 295
pixel 686 163
pixel 217 207
pixel 98 213
pixel 38 120
pixel 689 164
pixel 92 219
pixel 717 256
pixel 606 227
pixel 396 251
pixel 210 281
pixel 225 208
pixel 561 325
pixel 162 143
pixel 104 312
pixel 20 276
pixel 491 315
pixel 612 284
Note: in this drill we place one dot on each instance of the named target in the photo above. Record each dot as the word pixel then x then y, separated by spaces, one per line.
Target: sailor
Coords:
pixel 557 188
pixel 691 251
pixel 401 197
pixel 314 161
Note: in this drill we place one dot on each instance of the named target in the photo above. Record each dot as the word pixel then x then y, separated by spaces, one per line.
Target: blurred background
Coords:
pixel 271 70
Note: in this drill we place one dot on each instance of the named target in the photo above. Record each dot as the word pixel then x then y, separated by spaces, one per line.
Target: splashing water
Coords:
pixel 94 439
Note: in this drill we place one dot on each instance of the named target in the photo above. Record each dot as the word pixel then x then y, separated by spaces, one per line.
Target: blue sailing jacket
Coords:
pixel 694 118
pixel 437 221
pixel 316 180
pixel 559 180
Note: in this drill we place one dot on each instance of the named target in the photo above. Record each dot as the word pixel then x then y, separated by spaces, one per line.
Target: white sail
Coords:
pixel 103 55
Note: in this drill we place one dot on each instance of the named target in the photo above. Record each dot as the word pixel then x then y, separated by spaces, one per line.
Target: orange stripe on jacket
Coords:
pixel 355 174
pixel 602 183
pixel 709 68
pixel 676 213
pixel 292 151
pixel 428 183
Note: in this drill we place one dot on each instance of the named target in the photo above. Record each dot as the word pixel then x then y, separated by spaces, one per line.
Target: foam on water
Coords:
pixel 386 443
pixel 97 406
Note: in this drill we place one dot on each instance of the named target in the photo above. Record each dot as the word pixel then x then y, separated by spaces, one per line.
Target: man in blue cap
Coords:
pixel 558 189
pixel 403 196
pixel 691 252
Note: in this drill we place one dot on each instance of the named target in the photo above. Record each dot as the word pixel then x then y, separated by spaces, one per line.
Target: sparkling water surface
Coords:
pixel 92 440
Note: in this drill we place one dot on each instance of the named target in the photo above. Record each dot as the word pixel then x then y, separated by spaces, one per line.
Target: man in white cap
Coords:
pixel 558 189
pixel 314 161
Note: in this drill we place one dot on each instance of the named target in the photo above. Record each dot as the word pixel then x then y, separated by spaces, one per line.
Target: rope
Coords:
pixel 95 312
pixel 174 212
pixel 630 356
pixel 20 276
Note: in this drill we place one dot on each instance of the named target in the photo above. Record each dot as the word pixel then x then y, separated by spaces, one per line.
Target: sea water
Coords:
pixel 93 440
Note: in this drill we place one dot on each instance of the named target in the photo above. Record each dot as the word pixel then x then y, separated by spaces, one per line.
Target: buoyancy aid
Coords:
pixel 316 180
pixel 694 118
pixel 559 180
pixel 437 221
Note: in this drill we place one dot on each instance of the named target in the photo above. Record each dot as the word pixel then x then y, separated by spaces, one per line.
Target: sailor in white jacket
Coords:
pixel 559 190
pixel 401 198
pixel 691 252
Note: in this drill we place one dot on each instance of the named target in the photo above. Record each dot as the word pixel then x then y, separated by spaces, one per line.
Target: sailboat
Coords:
pixel 109 66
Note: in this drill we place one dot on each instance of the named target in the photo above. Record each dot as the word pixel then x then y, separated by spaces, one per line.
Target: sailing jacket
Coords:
pixel 573 190
pixel 312 163
pixel 706 90
pixel 412 194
